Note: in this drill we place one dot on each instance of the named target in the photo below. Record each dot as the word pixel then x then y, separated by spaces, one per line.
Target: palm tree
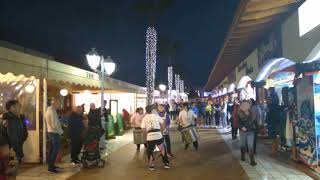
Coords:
pixel 151 9
pixel 168 49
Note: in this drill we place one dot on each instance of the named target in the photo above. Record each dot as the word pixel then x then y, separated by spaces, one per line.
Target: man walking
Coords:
pixel 54 131
pixel 16 128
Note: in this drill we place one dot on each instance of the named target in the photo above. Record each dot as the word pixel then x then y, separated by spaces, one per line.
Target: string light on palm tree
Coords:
pixel 170 78
pixel 151 58
pixel 177 82
pixel 181 86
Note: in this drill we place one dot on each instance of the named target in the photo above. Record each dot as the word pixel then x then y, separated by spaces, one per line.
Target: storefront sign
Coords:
pixel 232 77
pixel 270 48
pixel 90 75
pixel 249 70
pixel 242 66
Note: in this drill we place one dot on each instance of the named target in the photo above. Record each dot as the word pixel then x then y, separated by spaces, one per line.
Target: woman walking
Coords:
pixel 186 120
pixel 135 122
pixel 247 126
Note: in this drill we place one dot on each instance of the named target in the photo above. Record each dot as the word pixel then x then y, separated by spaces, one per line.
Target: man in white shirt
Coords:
pixel 153 126
pixel 54 131
pixel 172 110
pixel 186 120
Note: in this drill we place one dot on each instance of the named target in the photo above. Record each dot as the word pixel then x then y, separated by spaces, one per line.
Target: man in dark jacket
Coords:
pixel 76 127
pixel 16 128
pixel 94 116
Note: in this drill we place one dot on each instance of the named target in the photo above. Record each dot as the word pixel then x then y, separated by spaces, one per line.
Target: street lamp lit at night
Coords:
pixel 162 87
pixel 107 67
pixel 93 59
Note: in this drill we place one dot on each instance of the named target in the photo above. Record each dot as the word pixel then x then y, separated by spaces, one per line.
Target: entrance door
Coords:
pixel 114 105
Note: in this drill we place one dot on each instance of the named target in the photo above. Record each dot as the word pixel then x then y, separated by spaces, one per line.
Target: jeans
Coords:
pixel 54 139
pixel 247 138
pixel 208 118
pixel 224 120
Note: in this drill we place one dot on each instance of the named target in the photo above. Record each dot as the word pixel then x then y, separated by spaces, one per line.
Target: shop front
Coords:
pixel 34 79
pixel 308 110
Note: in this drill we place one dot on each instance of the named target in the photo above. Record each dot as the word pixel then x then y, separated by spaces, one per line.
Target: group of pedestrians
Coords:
pixel 155 125
pixel 76 124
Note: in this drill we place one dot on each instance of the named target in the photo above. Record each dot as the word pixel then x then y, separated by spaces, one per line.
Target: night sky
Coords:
pixel 68 29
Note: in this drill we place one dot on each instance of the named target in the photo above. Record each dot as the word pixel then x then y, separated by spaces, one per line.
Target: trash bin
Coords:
pixel 110 131
pixel 119 125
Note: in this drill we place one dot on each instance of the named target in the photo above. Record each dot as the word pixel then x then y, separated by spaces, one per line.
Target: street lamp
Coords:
pixel 106 66
pixel 162 88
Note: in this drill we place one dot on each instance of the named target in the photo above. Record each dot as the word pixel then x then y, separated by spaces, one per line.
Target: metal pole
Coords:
pixel 103 121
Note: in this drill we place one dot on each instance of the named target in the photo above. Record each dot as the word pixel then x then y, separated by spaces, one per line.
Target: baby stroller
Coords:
pixel 91 150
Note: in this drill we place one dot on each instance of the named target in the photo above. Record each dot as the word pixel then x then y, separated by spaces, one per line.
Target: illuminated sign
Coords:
pixel 309 16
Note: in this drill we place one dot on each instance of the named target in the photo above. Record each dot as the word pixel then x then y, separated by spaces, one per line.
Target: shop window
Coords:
pixel 22 89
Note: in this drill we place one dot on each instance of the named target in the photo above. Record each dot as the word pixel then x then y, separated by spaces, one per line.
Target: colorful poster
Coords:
pixel 316 86
pixel 305 127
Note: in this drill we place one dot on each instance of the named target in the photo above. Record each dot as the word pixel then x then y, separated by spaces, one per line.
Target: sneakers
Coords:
pixel 75 163
pixel 170 155
pixel 151 168
pixel 167 166
pixel 53 170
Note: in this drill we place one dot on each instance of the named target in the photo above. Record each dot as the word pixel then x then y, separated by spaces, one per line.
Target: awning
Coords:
pixel 253 19
pixel 20 61
pixel 243 82
pixel 273 65
pixel 231 88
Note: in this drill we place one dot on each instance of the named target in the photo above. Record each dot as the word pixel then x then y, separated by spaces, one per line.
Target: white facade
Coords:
pixel 295 47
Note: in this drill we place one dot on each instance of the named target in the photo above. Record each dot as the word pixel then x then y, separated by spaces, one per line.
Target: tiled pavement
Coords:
pixel 268 168
pixel 39 172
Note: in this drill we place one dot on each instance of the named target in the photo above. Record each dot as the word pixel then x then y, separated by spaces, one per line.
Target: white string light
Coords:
pixel 177 82
pixel 151 56
pixel 181 86
pixel 170 78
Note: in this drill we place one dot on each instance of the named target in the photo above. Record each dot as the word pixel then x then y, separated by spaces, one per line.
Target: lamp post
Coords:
pixel 162 88
pixel 107 67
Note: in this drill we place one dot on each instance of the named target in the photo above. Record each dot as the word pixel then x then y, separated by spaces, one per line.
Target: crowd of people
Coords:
pixel 13 134
pixel 243 117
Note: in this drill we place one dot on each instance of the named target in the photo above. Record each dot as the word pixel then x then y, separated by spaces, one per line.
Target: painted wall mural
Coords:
pixel 305 125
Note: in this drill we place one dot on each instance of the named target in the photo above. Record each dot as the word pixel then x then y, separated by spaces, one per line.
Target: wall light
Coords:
pixel 63 92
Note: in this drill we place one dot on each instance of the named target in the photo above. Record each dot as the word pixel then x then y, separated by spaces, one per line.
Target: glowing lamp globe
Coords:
pixel 29 88
pixel 162 87
pixel 109 66
pixel 63 92
pixel 93 59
